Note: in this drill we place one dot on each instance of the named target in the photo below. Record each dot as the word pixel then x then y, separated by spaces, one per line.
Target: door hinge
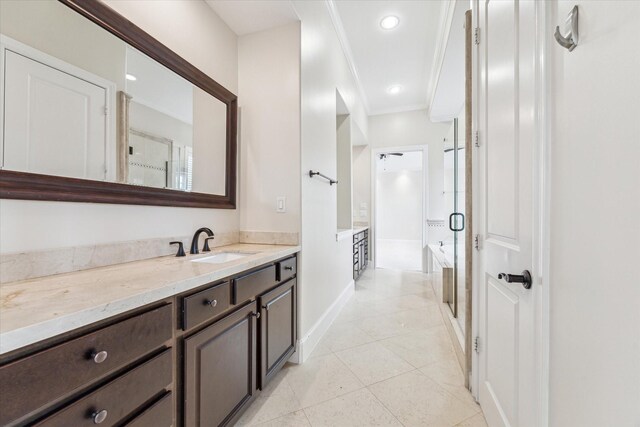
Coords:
pixel 476 345
pixel 476 35
pixel 476 242
pixel 476 139
pixel 106 110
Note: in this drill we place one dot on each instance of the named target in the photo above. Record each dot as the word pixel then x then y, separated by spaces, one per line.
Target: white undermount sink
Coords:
pixel 222 257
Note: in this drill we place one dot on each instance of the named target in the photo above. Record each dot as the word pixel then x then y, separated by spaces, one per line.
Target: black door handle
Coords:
pixel 524 278
pixel 451 221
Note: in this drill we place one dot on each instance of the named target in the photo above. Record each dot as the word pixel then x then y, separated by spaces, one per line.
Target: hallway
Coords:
pixel 387 360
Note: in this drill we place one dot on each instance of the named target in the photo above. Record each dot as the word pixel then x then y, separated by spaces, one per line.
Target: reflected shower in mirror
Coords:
pixel 80 102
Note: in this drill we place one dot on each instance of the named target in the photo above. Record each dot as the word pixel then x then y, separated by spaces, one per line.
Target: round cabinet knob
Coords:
pixel 256 315
pixel 212 303
pixel 100 416
pixel 100 356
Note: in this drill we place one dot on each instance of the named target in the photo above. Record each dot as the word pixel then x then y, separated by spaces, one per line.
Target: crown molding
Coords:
pixel 346 49
pixel 446 19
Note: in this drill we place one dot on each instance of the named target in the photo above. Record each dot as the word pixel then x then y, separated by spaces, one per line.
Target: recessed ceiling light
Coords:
pixel 389 22
pixel 131 77
pixel 394 89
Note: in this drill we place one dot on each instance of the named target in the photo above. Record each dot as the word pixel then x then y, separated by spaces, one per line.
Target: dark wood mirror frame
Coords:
pixel 31 186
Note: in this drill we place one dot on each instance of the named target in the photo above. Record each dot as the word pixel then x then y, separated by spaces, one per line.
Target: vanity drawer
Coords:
pixel 253 284
pixel 205 305
pixel 160 414
pixel 286 269
pixel 111 403
pixel 28 384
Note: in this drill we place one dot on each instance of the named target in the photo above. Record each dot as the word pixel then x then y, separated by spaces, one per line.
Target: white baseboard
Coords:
pixel 306 344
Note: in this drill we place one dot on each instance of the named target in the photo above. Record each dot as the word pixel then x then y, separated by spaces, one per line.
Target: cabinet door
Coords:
pixel 277 329
pixel 220 369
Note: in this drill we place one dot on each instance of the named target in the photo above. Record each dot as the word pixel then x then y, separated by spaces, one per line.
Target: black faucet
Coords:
pixel 196 238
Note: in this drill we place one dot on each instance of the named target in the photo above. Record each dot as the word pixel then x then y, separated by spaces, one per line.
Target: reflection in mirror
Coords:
pixel 80 102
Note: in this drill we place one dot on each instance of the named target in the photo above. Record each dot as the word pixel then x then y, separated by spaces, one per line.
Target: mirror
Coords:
pixel 107 109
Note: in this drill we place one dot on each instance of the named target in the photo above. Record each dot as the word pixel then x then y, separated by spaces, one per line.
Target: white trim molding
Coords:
pixel 446 18
pixel 306 344
pixel 346 49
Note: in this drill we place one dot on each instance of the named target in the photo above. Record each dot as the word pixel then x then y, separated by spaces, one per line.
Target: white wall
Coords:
pixel 595 205
pixel 414 128
pixel 326 265
pixel 399 210
pixel 211 46
pixel 269 99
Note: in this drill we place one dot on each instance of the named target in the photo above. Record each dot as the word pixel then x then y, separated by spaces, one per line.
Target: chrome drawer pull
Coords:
pixel 100 356
pixel 288 268
pixel 211 303
pixel 100 416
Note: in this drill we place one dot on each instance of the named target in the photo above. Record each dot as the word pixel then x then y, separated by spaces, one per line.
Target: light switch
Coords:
pixel 281 204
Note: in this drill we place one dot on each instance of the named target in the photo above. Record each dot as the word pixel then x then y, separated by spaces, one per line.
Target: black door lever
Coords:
pixel 524 278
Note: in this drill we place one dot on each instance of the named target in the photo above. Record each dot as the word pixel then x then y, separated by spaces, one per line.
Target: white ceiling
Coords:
pixel 250 16
pixel 403 55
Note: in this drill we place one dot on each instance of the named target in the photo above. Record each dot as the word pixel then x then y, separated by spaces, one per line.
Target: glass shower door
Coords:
pixel 456 204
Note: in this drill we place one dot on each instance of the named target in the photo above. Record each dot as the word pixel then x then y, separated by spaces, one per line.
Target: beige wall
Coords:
pixel 343 173
pixel 209 143
pixel 56 30
pixel 361 159
pixel 269 99
pixel 207 43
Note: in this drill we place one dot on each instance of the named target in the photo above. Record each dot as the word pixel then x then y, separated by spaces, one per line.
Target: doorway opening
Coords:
pixel 399 209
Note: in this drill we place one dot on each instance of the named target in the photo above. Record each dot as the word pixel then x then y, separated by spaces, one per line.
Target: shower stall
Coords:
pixel 454 247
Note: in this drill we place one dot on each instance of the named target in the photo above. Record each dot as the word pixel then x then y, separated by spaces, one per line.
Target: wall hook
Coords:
pixel 570 41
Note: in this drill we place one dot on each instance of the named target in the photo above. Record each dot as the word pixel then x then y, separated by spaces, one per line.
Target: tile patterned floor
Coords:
pixel 386 361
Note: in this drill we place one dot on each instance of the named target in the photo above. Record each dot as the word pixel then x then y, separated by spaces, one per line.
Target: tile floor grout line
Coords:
pixel 339 325
pixel 467 419
pixel 385 406
pixel 306 417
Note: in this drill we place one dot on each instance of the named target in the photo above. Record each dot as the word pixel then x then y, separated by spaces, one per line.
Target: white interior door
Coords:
pixel 54 123
pixel 508 389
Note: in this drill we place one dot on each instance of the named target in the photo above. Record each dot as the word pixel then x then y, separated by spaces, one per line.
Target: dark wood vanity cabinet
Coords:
pixel 277 329
pixel 102 373
pixel 228 362
pixel 220 369
pixel 360 253
pixel 196 359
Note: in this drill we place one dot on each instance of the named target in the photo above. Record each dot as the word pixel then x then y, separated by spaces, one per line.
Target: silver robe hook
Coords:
pixel 570 41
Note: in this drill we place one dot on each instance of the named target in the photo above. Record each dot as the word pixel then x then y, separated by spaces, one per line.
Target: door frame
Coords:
pixel 542 183
pixel 425 197
pixel 9 44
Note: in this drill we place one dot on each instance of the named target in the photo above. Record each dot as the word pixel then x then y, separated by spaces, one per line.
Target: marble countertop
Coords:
pixel 36 309
pixel 357 230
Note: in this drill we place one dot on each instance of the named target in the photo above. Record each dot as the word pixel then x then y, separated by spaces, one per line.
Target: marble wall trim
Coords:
pixel 270 238
pixel 30 265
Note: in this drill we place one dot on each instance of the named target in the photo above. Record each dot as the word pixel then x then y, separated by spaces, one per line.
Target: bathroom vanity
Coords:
pixel 360 250
pixel 166 341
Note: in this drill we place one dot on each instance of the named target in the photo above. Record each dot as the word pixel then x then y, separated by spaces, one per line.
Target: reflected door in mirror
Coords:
pixel 81 102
